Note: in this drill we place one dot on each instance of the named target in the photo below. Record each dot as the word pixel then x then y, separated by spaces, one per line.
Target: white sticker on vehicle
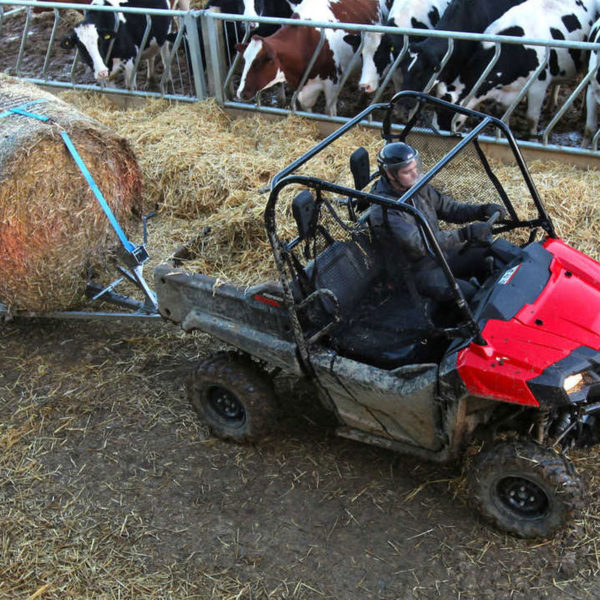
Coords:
pixel 508 275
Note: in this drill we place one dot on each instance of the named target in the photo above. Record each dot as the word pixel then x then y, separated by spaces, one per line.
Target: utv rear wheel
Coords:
pixel 233 397
pixel 524 488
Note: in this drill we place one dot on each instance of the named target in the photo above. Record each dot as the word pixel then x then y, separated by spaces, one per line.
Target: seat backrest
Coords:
pixel 360 168
pixel 304 212
pixel 347 269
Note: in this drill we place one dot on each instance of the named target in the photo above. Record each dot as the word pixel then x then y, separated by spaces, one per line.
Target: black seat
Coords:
pixel 387 331
pixel 347 269
pixel 376 321
pixel 379 323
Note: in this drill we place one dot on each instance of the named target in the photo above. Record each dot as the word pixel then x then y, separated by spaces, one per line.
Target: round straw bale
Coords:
pixel 51 225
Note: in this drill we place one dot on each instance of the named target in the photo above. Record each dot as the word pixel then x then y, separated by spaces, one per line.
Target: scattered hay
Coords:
pixel 571 198
pixel 88 469
pixel 111 490
pixel 51 226
pixel 204 171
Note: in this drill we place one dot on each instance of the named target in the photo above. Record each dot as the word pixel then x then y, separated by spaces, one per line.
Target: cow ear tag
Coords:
pixel 107 36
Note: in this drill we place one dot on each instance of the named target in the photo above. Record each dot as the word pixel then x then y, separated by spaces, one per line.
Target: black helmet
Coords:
pixel 395 156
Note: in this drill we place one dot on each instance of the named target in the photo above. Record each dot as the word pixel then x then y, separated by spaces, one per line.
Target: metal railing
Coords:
pixel 40 59
pixel 548 138
pixel 206 63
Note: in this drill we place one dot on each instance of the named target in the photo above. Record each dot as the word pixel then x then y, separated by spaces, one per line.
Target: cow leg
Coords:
pixel 130 75
pixel 116 67
pixel 331 94
pixel 309 94
pixel 591 120
pixel 165 57
pixel 592 96
pixel 150 76
pixel 554 96
pixel 535 100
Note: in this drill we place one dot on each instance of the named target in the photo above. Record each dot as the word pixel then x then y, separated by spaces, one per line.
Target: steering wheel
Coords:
pixel 494 218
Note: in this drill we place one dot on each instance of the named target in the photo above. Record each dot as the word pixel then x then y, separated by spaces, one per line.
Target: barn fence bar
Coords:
pixel 205 63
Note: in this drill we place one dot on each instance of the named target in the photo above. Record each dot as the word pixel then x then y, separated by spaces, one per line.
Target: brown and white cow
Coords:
pixel 284 56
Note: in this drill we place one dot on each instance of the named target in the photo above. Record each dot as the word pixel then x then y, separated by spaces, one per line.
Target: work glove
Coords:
pixel 476 232
pixel 487 210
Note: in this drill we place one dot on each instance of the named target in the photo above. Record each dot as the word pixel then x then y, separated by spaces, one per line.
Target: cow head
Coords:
pixel 419 66
pixel 377 56
pixel 262 68
pixel 93 43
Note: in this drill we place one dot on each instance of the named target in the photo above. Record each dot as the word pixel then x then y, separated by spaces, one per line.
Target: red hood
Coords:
pixel 565 316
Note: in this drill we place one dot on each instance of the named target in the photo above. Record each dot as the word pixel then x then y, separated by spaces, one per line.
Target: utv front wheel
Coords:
pixel 233 397
pixel 524 488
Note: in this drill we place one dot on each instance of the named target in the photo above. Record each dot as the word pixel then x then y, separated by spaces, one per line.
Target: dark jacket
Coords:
pixel 400 229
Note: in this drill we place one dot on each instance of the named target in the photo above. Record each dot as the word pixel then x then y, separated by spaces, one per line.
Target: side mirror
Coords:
pixel 303 211
pixel 360 168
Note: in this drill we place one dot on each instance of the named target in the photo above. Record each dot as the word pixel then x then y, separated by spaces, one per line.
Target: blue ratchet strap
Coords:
pixel 90 180
pixel 20 110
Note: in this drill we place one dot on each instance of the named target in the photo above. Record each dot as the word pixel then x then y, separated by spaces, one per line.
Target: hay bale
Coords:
pixel 51 226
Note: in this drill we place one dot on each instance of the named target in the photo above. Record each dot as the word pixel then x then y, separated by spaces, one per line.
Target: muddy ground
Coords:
pixel 109 488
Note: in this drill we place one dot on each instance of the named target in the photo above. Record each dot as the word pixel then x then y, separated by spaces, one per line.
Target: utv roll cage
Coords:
pixel 419 106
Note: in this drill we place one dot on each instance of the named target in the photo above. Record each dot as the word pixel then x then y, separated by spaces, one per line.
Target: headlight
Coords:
pixel 573 383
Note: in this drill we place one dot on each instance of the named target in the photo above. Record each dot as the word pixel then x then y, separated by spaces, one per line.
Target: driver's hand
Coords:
pixel 476 232
pixel 487 210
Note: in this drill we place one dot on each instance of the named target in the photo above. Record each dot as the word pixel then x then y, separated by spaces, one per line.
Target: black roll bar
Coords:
pixel 285 177
pixel 400 205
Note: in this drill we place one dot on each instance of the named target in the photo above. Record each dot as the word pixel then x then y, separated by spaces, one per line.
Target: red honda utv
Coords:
pixel 513 371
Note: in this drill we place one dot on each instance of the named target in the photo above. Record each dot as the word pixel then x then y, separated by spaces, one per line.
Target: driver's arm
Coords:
pixel 450 210
pixel 407 235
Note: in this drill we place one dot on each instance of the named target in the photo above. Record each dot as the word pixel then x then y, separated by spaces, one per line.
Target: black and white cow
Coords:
pixel 282 9
pixel 235 30
pixel 592 97
pixel 569 20
pixel 471 16
pixel 122 34
pixel 379 50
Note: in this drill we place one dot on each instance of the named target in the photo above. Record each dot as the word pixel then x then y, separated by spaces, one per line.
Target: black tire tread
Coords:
pixel 238 373
pixel 527 456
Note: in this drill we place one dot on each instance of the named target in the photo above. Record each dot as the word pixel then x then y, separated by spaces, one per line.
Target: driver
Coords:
pixel 400 168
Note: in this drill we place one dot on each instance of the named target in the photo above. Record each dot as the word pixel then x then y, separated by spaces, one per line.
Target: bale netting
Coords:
pixel 51 225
